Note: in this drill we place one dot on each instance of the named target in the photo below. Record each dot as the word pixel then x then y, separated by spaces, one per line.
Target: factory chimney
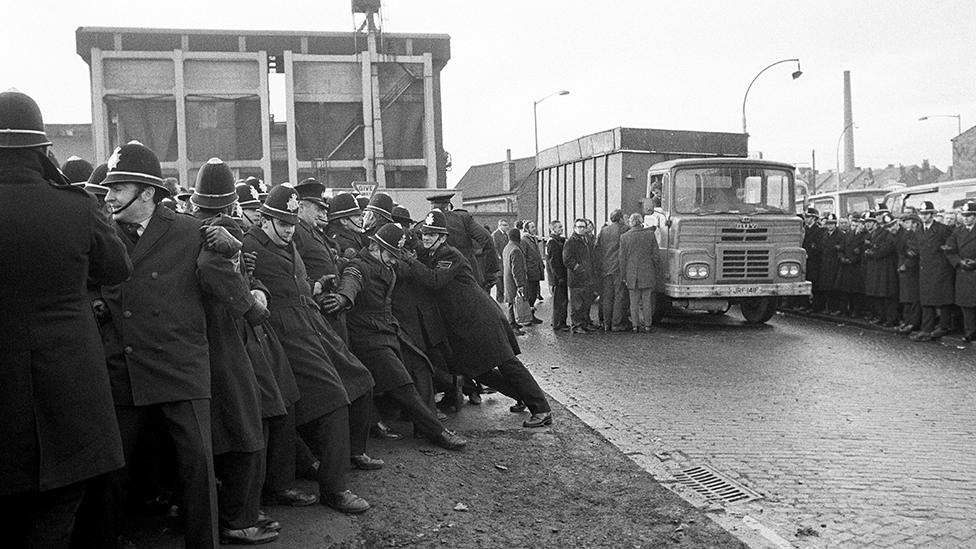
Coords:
pixel 849 124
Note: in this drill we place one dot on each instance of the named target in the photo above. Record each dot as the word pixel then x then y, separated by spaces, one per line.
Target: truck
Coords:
pixel 727 225
pixel 728 235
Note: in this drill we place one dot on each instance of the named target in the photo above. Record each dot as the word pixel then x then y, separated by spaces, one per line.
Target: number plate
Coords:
pixel 746 226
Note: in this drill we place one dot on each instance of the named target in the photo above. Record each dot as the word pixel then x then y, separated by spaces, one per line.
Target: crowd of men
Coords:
pixel 914 273
pixel 620 265
pixel 203 349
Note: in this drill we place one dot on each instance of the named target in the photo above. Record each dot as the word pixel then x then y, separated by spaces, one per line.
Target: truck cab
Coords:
pixel 728 235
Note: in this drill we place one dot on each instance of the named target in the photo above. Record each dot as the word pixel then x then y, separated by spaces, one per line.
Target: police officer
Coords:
pixel 366 289
pixel 831 245
pixel 469 238
pixel 156 345
pixel 236 414
pixel 56 419
pixel 812 236
pixel 881 277
pixel 483 342
pixel 961 252
pixel 316 354
pixel 908 283
pixel 345 226
pixel 935 273
pixel 76 170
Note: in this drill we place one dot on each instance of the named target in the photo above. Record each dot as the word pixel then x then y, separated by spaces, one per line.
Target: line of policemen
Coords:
pixel 909 273
pixel 239 345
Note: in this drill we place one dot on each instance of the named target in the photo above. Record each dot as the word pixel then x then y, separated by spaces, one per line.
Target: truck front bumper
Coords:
pixel 731 291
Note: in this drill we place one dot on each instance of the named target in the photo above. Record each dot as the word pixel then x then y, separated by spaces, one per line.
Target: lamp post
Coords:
pixel 837 157
pixel 796 74
pixel 535 116
pixel 958 118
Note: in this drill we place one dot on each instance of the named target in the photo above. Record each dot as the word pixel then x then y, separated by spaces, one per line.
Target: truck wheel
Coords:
pixel 758 310
pixel 661 304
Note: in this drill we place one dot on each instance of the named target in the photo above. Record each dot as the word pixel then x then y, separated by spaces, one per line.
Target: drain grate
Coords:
pixel 713 486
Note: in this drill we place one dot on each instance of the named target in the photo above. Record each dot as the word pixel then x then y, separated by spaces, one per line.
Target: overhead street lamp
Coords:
pixel 837 157
pixel 796 74
pixel 958 118
pixel 535 116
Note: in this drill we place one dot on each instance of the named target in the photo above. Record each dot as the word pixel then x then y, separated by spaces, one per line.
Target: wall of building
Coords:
pixel 964 155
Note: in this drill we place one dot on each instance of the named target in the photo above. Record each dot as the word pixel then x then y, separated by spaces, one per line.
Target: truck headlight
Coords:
pixel 789 269
pixel 696 271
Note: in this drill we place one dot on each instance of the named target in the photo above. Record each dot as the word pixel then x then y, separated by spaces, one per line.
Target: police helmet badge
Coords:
pixel 293 203
pixel 430 219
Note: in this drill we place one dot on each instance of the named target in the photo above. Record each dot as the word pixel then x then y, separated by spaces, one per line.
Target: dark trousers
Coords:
pixel 239 496
pixel 580 302
pixel 968 320
pixel 360 419
pixel 328 436
pixel 279 444
pixel 41 520
pixel 560 305
pixel 512 379
pixel 188 424
pixel 928 319
pixel 613 301
pixel 416 409
pixel 911 313
pixel 885 308
pixel 642 307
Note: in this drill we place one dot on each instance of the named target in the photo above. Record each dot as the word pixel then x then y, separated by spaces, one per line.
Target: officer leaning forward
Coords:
pixel 485 346
pixel 56 419
pixel 317 355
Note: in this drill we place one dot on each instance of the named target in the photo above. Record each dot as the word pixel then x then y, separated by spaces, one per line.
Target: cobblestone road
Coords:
pixel 854 438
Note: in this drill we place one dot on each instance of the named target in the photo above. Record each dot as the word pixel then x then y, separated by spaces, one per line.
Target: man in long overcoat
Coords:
pixel 556 274
pixel 534 270
pixel 485 346
pixel 315 352
pixel 935 273
pixel 962 254
pixel 468 237
pixel 500 238
pixel 811 243
pixel 639 267
pixel 57 425
pixel 236 404
pixel 156 343
pixel 613 298
pixel 850 277
pixel 581 276
pixel 514 276
pixel 345 227
pixel 366 289
pixel 908 283
pixel 831 245
pixel 881 277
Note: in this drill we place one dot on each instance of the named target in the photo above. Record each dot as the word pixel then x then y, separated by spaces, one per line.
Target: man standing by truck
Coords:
pixel 613 299
pixel 580 276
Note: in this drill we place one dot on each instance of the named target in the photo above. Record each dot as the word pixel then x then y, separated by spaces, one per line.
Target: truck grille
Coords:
pixel 757 234
pixel 745 264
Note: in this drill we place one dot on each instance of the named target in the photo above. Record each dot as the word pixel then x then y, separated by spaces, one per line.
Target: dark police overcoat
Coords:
pixel 311 345
pixel 907 268
pixel 57 422
pixel 472 240
pixel 812 245
pixel 235 405
pixel 373 331
pixel 850 277
pixel 831 246
pixel 156 344
pixel 962 245
pixel 935 273
pixel 881 264
pixel 479 332
pixel 320 257
pixel 347 242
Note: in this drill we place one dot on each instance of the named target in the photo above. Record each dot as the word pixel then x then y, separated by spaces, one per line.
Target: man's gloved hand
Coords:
pixel 219 240
pixel 257 314
pixel 250 261
pixel 260 297
pixel 327 282
pixel 100 309
pixel 333 303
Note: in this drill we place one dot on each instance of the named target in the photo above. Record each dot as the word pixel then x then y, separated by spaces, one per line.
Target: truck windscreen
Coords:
pixel 733 189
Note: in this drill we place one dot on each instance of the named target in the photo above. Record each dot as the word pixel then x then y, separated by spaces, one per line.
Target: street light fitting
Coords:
pixel 796 74
pixel 535 117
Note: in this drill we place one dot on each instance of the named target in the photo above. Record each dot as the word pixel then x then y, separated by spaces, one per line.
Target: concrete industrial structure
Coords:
pixel 361 106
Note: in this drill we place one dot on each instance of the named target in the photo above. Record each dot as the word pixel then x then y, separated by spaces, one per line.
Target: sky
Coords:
pixel 681 65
